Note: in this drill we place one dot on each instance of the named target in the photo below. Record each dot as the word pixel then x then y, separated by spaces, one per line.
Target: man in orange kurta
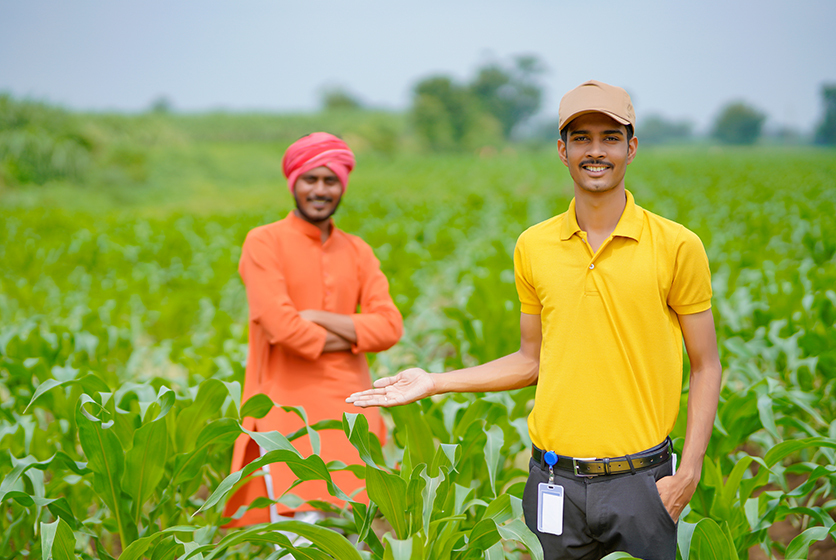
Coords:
pixel 305 280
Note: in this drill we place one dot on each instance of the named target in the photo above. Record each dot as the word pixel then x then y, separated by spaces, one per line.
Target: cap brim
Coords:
pixel 610 114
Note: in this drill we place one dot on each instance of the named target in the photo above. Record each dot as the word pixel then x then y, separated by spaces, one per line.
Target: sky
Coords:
pixel 681 60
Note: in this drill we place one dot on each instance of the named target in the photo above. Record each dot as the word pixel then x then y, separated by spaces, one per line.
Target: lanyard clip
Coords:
pixel 551 460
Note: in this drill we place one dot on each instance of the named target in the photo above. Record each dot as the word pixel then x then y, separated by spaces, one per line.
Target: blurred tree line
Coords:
pixel 448 115
pixel 826 131
pixel 40 143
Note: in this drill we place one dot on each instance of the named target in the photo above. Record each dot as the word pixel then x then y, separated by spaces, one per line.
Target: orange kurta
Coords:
pixel 286 269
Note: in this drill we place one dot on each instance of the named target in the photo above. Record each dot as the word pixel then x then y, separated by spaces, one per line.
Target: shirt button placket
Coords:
pixel 326 281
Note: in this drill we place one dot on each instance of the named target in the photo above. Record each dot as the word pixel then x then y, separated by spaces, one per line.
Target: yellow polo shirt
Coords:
pixel 611 357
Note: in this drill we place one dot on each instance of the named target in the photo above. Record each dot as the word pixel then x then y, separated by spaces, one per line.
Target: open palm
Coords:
pixel 408 386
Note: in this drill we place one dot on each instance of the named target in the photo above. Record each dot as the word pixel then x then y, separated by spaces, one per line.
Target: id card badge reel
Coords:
pixel 550 501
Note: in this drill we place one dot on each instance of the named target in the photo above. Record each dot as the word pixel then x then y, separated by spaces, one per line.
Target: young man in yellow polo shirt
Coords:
pixel 608 291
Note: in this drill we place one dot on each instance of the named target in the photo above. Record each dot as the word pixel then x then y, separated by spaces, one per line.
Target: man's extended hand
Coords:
pixel 408 386
pixel 676 491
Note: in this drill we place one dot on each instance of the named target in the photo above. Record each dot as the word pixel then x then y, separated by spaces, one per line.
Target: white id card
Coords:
pixel 550 508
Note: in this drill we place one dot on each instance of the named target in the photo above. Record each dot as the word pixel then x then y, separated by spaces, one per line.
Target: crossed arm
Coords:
pixel 341 333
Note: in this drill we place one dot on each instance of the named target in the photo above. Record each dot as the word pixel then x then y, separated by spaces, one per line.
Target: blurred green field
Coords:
pixel 134 282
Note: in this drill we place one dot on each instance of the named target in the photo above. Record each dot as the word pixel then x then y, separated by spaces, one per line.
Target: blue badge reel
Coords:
pixel 550 501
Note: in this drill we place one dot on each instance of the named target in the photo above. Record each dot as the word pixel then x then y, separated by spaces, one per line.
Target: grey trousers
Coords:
pixel 605 514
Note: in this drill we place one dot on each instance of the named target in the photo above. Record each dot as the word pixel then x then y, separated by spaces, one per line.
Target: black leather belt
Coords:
pixel 617 465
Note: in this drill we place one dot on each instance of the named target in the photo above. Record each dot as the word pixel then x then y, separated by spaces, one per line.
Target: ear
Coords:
pixel 561 151
pixel 632 146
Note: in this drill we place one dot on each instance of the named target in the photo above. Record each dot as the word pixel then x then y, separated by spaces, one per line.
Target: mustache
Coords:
pixel 320 199
pixel 596 162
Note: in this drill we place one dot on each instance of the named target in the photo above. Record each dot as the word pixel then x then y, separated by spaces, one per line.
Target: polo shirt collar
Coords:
pixel 629 225
pixel 307 228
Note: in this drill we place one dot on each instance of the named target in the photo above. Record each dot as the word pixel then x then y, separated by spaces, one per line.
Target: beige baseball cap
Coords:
pixel 594 96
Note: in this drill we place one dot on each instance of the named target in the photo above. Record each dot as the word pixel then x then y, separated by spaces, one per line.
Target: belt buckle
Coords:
pixel 575 466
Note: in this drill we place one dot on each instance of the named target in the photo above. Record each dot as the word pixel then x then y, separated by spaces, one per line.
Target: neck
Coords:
pixel 599 213
pixel 323 225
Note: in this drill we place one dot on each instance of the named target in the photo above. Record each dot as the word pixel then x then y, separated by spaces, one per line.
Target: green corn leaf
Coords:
pixel 11 479
pixel 233 388
pixel 363 517
pixel 210 396
pixel 145 463
pixel 167 549
pixel 517 531
pixel 106 459
pixel 446 456
pixel 448 538
pixel 309 553
pixel 47 385
pixel 410 419
pixel 816 514
pixel 137 549
pixel 257 406
pixel 459 497
pixel 800 545
pixel 710 541
pixel 57 541
pixel 767 415
pixel 810 484
pixel 502 509
pixel 733 482
pixel 483 536
pixel 356 429
pixel 496 552
pixel 219 432
pixel 311 468
pixel 684 534
pixel 313 435
pixel 406 549
pixel 271 441
pixel 160 545
pixel 48 531
pixel 58 461
pixel 786 448
pixel 329 541
pixel 166 398
pixel 121 422
pixel 430 492
pixel 749 485
pixel 619 556
pixel 388 491
pixel 100 550
pixel 90 382
pixel 492 453
pixel 415 500
pixel 59 507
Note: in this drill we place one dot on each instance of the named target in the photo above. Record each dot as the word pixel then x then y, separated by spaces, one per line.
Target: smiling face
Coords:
pixel 597 152
pixel 317 193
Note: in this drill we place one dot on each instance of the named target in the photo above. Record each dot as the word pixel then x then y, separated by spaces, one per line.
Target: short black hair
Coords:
pixel 564 132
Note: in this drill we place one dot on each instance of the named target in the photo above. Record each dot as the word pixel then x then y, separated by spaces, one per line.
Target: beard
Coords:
pixel 315 220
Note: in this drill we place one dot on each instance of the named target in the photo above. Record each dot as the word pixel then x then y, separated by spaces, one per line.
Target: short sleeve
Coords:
pixel 529 302
pixel 691 283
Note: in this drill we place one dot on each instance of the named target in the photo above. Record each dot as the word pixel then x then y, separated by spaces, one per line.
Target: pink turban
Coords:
pixel 319 149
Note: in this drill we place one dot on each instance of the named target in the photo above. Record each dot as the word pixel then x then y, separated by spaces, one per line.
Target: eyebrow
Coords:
pixel 614 131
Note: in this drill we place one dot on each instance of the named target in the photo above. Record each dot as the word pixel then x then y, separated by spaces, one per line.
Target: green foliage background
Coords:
pixel 123 340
